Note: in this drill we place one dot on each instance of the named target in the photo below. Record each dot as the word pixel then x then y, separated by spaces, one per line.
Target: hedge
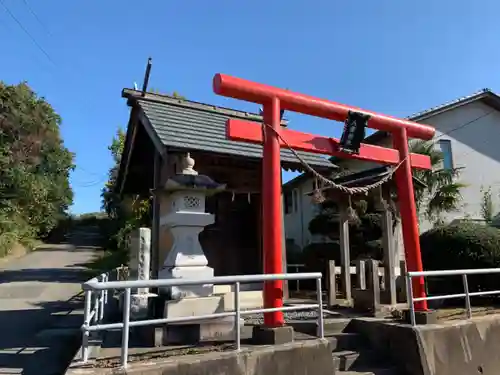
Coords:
pixel 463 245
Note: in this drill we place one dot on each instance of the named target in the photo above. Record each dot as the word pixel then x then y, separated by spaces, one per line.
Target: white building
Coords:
pixel 467 132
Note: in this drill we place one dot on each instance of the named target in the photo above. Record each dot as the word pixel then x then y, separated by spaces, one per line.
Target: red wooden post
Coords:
pixel 409 221
pixel 273 100
pixel 271 203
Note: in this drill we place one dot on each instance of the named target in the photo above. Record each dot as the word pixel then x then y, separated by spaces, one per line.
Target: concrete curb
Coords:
pixel 298 358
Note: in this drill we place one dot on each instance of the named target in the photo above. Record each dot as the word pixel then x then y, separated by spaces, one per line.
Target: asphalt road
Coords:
pixel 41 309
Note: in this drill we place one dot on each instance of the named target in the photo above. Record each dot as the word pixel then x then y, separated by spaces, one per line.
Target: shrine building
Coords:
pixel 161 131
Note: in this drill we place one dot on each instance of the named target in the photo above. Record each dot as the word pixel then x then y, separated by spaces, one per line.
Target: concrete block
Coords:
pixel 193 306
pixel 421 317
pixel 298 358
pixel 187 272
pixel 272 336
pixel 248 300
pixel 222 329
pixel 223 288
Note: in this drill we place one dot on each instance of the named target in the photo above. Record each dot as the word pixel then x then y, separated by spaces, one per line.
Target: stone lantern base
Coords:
pixel 187 291
pixel 197 331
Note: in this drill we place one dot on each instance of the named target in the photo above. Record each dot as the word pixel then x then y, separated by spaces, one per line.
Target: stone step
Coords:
pixel 348 359
pixel 347 341
pixel 310 327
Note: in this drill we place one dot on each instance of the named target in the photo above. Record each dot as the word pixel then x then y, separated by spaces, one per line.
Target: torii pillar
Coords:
pixel 273 100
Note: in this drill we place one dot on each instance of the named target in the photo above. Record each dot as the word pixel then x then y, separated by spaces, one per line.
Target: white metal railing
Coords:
pixel 96 293
pixel 467 294
pixel 352 269
pixel 296 267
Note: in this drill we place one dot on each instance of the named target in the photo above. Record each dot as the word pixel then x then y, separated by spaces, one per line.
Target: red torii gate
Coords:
pixel 273 100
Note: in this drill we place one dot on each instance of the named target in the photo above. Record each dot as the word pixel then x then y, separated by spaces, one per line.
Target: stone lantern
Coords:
pixel 183 203
pixel 183 214
pixel 186 218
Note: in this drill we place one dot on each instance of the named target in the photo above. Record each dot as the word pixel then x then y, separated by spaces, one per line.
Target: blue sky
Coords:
pixel 395 57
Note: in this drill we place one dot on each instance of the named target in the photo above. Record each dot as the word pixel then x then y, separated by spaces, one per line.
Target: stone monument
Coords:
pixel 139 269
pixel 185 217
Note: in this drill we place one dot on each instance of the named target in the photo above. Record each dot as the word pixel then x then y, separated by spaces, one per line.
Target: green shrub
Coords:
pixel 317 255
pixel 461 246
pixel 34 167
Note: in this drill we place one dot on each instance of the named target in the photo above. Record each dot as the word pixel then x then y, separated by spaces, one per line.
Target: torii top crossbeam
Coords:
pixel 273 100
pixel 259 93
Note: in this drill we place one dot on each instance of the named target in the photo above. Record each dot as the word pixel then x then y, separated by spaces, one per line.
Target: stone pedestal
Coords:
pixel 196 331
pixel 202 329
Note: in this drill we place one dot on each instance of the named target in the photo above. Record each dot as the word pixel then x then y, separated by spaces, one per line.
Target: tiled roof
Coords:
pixel 459 101
pixel 183 124
pixel 420 116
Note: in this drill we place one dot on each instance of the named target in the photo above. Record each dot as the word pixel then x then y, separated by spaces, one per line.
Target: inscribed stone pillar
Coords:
pixel 139 266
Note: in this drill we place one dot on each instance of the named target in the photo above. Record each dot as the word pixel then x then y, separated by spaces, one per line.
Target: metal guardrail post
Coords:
pixel 125 329
pixel 106 278
pixel 467 296
pixel 298 281
pixel 410 299
pixel 86 323
pixel 101 300
pixel 319 293
pixel 237 318
pixel 296 267
pixel 95 308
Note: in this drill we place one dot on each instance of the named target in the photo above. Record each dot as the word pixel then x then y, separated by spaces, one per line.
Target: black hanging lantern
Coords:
pixel 354 132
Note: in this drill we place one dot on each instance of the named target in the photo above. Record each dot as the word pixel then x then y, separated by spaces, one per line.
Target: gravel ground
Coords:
pixel 160 354
pixel 289 315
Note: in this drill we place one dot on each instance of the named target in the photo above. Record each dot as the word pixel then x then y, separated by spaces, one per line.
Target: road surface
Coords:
pixel 41 309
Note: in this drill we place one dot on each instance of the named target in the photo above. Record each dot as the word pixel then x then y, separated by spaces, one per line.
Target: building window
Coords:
pixel 288 202
pixel 291 201
pixel 445 146
pixel 295 200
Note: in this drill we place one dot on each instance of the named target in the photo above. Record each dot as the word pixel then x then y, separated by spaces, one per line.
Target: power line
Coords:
pixel 100 175
pixel 2 2
pixel 102 178
pixel 42 24
pixel 89 183
pixel 465 124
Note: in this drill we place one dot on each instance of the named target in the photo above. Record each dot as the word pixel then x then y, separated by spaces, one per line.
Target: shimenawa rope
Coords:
pixel 344 189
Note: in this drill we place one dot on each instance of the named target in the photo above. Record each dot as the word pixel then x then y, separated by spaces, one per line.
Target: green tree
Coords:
pixel 442 193
pixel 111 201
pixel 365 227
pixel 34 164
pixel 126 212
